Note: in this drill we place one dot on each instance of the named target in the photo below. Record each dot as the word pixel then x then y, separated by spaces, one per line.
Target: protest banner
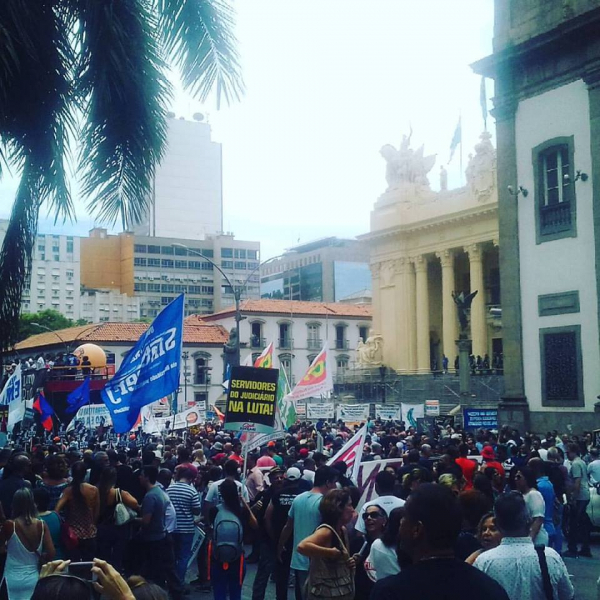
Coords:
pixel 367 473
pixel 320 411
pixel 432 408
pixel 475 418
pixel 262 439
pixel 251 400
pixel 353 413
pixel 92 416
pixel 412 412
pixel 12 388
pixel 388 412
pixel 190 417
pixel 150 371
pixel 351 453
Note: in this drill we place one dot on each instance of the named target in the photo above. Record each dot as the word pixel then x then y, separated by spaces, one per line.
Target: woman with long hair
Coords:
pixel 28 543
pixel 54 478
pixel 488 534
pixel 81 504
pixel 383 556
pixel 229 520
pixel 112 538
pixel 331 566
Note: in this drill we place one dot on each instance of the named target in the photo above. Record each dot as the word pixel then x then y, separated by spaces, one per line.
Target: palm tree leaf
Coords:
pixel 124 89
pixel 198 36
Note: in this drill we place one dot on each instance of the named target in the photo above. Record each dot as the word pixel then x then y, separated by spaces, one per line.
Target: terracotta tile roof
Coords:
pixel 296 307
pixel 193 333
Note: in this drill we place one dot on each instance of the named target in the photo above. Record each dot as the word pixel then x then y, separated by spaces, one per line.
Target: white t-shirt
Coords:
pixel 536 506
pixel 388 503
pixel 594 472
pixel 214 495
pixel 383 561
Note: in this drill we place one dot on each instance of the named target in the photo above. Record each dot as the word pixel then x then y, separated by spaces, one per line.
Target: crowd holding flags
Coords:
pixel 45 411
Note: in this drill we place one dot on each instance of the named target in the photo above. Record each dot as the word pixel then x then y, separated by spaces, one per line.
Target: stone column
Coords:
pixel 411 315
pixel 422 302
pixel 402 308
pixel 478 317
pixel 449 319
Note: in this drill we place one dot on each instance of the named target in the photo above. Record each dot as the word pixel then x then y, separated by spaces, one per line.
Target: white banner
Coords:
pixel 12 391
pixel 432 408
pixel 262 439
pixel 16 411
pixel 388 412
pixel 351 453
pixel 320 411
pixel 91 415
pixel 354 413
pixel 412 412
pixel 189 418
pixel 367 473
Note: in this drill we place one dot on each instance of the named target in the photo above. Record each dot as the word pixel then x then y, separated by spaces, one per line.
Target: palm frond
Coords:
pixel 124 89
pixel 198 37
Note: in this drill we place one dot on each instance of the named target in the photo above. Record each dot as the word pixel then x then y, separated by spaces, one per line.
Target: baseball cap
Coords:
pixel 488 453
pixel 271 444
pixel 293 474
pixel 303 453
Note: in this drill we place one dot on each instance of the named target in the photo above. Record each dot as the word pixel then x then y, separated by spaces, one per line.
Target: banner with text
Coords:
pixel 388 412
pixel 412 412
pixel 475 418
pixel 432 408
pixel 189 418
pixel 92 416
pixel 353 413
pixel 320 411
pixel 251 400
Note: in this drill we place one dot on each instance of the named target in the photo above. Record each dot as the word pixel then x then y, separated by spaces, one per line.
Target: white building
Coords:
pixel 187 200
pixel 547 105
pixel 98 306
pixel 54 278
pixel 298 331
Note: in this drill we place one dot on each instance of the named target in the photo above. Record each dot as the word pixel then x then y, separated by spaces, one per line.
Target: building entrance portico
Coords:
pixel 426 245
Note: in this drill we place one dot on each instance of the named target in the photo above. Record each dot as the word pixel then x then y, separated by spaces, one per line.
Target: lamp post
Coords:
pixel 237 291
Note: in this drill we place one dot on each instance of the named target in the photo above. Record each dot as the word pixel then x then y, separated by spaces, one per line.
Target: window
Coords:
pixel 153 249
pixel 56 257
pixel 202 376
pixel 140 248
pixel 285 363
pixel 70 247
pixel 180 251
pixel 154 287
pixel 201 398
pixel 139 287
pixel 363 332
pixel 239 253
pixel 181 264
pixel 226 252
pixel 341 343
pixel 41 247
pixel 208 252
pixel 313 341
pixel 256 340
pixel 285 340
pixel 341 363
pixel 165 300
pixel 252 254
pixel 154 262
pixel 167 250
pixel 227 264
pixel 139 262
pixel 195 289
pixel 167 287
pixel 562 373
pixel 208 289
pixel 240 265
pixel 555 189
pixel 181 289
pixel 166 264
pixel 206 266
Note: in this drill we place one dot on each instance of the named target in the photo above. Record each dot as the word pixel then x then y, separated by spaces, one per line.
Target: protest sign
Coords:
pixel 388 412
pixel 412 412
pixel 92 416
pixel 486 418
pixel 432 408
pixel 251 400
pixel 150 371
pixel 190 417
pixel 320 411
pixel 12 389
pixel 353 413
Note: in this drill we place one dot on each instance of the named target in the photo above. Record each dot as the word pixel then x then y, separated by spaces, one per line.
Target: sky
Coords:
pixel 328 82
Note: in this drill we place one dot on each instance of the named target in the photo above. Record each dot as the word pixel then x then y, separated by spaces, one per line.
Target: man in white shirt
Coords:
pixel 515 564
pixel 213 496
pixel 594 467
pixel 384 487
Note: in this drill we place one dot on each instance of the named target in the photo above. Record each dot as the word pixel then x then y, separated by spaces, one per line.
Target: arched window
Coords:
pixel 285 363
pixel 313 336
pixel 202 364
pixel 341 363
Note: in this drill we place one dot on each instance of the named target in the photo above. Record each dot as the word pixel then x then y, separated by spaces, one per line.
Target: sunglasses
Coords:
pixel 372 515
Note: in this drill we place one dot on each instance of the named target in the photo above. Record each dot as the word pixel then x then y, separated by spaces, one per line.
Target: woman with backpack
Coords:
pixel 226 550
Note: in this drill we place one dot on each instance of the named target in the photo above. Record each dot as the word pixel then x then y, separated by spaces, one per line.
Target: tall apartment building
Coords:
pixel 326 270
pixel 156 269
pixel 98 306
pixel 187 199
pixel 53 281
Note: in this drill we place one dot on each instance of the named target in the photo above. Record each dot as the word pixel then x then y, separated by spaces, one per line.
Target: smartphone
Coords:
pixel 83 570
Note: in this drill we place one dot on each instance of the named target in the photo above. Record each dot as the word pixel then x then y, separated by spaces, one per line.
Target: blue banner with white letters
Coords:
pixel 150 371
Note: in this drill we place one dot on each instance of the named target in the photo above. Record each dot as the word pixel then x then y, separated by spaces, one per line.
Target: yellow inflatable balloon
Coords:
pixel 95 354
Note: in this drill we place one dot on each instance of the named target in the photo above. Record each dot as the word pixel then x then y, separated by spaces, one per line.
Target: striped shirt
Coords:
pixel 185 499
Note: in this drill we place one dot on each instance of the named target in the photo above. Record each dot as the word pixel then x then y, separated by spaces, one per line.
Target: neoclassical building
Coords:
pixel 424 246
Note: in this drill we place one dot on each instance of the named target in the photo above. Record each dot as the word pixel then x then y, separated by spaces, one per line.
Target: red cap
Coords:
pixel 488 453
pixel 303 452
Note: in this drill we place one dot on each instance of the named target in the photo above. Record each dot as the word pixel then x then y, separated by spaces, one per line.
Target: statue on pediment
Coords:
pixel 405 165
pixel 481 170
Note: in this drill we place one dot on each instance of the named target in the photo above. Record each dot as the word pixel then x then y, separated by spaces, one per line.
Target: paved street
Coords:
pixel 585 572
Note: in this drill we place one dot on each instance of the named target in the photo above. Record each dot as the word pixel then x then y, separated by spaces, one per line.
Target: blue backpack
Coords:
pixel 228 537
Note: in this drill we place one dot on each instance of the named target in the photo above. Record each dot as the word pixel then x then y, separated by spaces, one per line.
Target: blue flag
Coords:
pixel 79 397
pixel 150 371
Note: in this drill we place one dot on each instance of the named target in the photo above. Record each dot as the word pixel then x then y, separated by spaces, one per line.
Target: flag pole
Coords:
pixel 461 149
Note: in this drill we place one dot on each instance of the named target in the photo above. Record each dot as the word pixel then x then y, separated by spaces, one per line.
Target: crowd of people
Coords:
pixel 453 511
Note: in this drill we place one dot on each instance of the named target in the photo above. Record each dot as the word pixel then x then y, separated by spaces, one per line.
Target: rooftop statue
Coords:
pixel 405 165
pixel 481 170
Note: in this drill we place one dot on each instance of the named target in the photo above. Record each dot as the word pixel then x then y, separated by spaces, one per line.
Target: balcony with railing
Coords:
pixel 285 343
pixel 257 343
pixel 341 344
pixel 314 344
pixel 555 218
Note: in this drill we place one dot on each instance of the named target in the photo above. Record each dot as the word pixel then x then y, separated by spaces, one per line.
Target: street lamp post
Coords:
pixel 237 291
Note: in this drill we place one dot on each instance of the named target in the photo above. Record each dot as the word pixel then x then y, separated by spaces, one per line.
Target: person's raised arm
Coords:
pixel 319 545
pixel 252 522
pixel 129 501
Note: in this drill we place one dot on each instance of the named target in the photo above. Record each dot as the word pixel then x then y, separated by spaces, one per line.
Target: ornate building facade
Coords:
pixel 425 245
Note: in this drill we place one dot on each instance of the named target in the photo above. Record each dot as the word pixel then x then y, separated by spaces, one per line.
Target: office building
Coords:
pixel 187 199
pixel 326 270
pixel 98 306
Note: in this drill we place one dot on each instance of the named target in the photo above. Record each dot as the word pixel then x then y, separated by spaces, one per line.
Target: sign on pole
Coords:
pixel 320 411
pixel 485 418
pixel 354 413
pixel 388 412
pixel 251 400
pixel 190 417
pixel 432 408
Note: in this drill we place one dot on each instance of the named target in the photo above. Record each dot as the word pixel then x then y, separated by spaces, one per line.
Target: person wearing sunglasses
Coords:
pixel 374 520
